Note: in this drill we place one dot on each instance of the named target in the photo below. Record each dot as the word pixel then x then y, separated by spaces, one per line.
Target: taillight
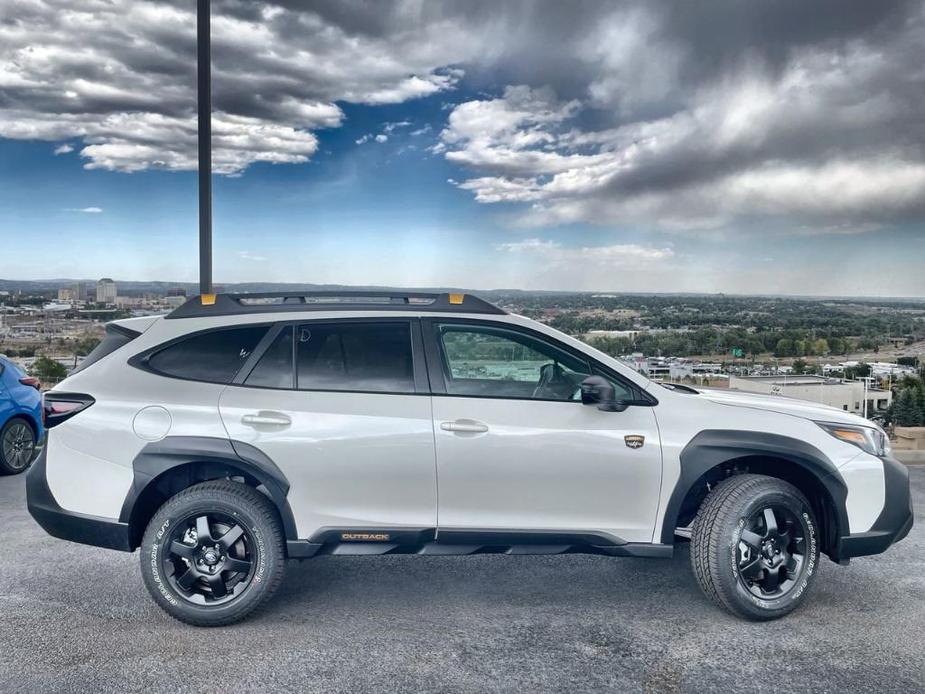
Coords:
pixel 59 407
pixel 31 381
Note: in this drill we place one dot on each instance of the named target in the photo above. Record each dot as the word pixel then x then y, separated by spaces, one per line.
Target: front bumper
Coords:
pixel 893 523
pixel 69 525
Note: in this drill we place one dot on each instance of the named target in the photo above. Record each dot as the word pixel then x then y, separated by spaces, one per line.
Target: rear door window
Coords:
pixel 214 356
pixel 366 357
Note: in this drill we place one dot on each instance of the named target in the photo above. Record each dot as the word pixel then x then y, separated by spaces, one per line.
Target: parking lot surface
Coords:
pixel 75 618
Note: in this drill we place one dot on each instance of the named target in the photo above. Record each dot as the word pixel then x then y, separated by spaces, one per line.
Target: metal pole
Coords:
pixel 204 127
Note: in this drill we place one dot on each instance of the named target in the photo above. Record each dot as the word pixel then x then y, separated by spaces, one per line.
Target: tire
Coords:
pixel 17 446
pixel 738 553
pixel 216 572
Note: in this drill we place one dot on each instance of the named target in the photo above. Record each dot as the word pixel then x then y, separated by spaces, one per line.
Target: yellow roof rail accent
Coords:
pixel 457 298
pixel 208 299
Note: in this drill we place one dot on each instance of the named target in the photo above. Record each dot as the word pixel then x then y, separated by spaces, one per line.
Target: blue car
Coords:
pixel 20 418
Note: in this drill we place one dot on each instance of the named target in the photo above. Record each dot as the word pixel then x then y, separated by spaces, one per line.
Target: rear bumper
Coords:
pixel 894 521
pixel 68 525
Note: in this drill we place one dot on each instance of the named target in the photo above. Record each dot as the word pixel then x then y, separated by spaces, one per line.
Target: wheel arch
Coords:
pixel 713 455
pixel 166 467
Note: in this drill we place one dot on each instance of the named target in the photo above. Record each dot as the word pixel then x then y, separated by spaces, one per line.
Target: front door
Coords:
pixel 518 451
pixel 341 410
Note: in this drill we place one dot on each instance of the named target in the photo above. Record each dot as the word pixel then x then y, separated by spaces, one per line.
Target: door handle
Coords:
pixel 469 426
pixel 262 418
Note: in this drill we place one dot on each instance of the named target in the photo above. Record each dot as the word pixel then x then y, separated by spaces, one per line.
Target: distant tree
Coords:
pixel 837 345
pixel 784 348
pixel 85 345
pixel 48 370
pixel 799 366
pixel 907 361
pixel 905 411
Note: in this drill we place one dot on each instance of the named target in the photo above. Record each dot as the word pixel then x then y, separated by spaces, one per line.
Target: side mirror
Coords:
pixel 597 390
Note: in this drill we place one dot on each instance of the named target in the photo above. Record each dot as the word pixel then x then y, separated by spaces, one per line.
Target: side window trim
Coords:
pixel 251 363
pixel 436 359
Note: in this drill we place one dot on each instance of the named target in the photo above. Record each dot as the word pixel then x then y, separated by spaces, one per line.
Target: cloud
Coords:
pixel 120 76
pixel 795 120
pixel 380 138
pixel 614 255
pixel 85 210
pixel 389 128
pixel 800 117
pixel 63 149
pixel 248 255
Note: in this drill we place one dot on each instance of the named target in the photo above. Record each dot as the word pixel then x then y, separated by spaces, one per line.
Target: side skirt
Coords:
pixel 427 541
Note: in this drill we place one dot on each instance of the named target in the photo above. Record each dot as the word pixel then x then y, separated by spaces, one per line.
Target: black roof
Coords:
pixel 276 302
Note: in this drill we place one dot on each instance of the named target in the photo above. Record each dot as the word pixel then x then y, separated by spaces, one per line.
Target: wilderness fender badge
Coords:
pixel 634 440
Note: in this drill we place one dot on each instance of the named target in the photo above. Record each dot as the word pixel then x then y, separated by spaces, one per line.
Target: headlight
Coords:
pixel 868 439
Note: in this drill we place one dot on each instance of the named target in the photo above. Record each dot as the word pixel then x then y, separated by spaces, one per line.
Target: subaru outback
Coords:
pixel 243 430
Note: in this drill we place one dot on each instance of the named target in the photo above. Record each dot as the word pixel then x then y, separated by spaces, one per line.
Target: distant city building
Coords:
pixel 106 291
pixel 67 294
pixel 878 369
pixel 674 368
pixel 844 395
pixel 176 291
pixel 128 302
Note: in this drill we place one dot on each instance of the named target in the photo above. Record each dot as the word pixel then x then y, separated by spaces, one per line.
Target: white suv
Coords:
pixel 241 430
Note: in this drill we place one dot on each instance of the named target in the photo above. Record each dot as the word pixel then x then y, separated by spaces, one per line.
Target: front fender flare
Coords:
pixel 714 447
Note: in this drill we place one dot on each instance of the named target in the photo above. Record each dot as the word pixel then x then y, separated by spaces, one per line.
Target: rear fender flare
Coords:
pixel 169 453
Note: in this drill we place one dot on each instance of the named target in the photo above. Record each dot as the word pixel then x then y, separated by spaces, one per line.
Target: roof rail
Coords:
pixel 276 302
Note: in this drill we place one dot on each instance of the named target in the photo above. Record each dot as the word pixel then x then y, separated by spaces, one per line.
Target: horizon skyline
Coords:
pixel 168 284
pixel 408 145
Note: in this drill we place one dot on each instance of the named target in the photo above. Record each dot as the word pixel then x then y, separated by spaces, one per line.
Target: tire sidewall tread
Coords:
pixel 250 508
pixel 715 536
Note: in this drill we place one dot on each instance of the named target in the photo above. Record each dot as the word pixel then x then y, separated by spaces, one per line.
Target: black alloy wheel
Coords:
pixel 209 559
pixel 771 552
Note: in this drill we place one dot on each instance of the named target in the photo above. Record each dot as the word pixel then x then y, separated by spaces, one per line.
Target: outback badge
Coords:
pixel 634 440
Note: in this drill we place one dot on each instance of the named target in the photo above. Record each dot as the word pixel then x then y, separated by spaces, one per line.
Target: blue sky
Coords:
pixel 459 169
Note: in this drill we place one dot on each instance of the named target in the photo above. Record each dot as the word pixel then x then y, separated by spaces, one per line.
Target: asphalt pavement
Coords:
pixel 77 619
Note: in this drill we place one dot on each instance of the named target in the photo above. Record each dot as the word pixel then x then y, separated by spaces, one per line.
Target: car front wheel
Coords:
pixel 213 553
pixel 755 546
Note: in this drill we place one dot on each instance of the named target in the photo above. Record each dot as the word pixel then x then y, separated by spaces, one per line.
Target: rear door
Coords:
pixel 518 451
pixel 342 408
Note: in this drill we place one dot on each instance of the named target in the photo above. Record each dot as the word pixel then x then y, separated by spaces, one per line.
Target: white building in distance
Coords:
pixel 845 395
pixel 106 291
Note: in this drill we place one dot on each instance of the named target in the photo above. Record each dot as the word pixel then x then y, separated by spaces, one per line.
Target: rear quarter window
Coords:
pixel 116 337
pixel 215 356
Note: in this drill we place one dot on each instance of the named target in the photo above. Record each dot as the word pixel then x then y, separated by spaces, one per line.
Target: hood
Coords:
pixel 783 404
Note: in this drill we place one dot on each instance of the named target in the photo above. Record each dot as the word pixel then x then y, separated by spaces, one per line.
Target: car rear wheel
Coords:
pixel 17 446
pixel 213 553
pixel 754 546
